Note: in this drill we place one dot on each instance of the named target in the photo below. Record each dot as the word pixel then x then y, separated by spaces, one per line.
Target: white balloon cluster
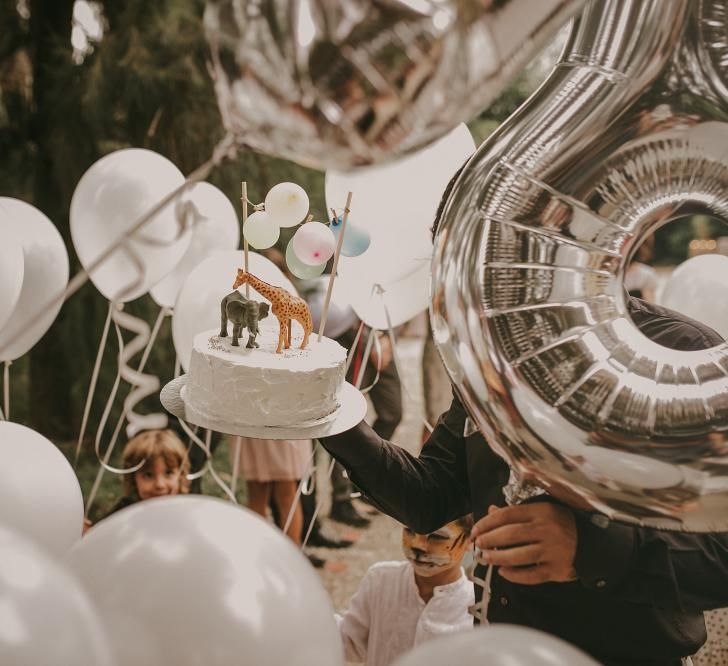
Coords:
pixel 182 580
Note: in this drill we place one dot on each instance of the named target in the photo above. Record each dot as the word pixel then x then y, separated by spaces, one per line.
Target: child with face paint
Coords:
pixel 401 604
pixel 164 472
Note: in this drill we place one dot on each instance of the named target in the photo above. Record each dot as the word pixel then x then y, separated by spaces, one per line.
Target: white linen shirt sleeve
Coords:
pixel 354 623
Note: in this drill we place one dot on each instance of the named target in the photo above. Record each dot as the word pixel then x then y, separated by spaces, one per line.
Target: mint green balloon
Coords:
pixel 298 268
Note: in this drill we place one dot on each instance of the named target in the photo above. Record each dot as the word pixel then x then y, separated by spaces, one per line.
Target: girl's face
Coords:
pixel 157 479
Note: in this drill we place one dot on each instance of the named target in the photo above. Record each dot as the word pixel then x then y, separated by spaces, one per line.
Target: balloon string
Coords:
pixel 395 355
pixel 122 417
pixel 6 390
pixel 479 610
pixel 236 466
pixel 177 366
pixel 138 392
pixel 225 488
pixel 319 505
pixel 352 350
pixel 92 386
pixel 378 349
pixel 305 487
pixel 226 148
pixel 205 446
pixel 201 472
pixel 103 462
pixel 143 385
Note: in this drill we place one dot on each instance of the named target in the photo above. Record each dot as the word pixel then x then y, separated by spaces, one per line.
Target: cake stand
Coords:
pixel 352 410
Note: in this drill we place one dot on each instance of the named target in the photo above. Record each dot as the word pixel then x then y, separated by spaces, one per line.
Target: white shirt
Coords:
pixel 387 617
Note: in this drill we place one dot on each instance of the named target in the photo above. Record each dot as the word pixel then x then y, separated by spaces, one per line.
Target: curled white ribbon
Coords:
pixel 143 384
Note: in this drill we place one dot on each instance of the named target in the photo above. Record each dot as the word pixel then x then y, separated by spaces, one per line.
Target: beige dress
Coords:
pixel 715 650
pixel 272 459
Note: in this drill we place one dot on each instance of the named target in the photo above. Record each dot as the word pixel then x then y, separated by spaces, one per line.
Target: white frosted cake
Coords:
pixel 257 387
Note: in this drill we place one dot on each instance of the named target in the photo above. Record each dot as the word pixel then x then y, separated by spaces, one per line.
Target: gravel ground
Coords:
pixel 382 539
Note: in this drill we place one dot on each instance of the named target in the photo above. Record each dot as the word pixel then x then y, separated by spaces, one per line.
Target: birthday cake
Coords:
pixel 259 387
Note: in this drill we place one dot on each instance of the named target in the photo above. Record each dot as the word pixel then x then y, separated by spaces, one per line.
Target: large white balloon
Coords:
pixel 44 275
pixel 109 199
pixel 195 580
pixel 698 288
pixel 198 305
pixel 396 203
pixel 496 645
pixel 12 266
pixel 216 229
pixel 46 617
pixel 39 492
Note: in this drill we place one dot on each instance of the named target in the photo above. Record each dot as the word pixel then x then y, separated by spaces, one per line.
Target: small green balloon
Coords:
pixel 298 268
pixel 260 231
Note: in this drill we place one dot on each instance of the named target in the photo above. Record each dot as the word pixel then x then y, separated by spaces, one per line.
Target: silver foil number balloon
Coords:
pixel 529 310
pixel 341 83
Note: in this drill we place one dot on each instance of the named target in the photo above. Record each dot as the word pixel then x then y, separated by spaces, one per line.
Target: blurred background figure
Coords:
pixel 272 469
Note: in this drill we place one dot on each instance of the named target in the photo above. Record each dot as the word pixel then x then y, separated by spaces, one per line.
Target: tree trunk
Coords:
pixel 51 360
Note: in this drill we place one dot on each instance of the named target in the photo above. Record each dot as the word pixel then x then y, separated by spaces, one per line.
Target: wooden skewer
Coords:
pixel 244 201
pixel 340 242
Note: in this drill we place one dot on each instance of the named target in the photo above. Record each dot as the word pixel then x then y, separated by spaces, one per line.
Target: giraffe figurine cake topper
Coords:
pixel 285 306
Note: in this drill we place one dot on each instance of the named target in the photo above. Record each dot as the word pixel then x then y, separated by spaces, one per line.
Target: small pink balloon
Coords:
pixel 314 243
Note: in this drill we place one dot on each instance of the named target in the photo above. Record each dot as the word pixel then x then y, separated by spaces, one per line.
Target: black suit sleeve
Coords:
pixel 422 492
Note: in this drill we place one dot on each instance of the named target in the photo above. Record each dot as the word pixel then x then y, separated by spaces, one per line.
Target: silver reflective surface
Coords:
pixel 354 82
pixel 529 312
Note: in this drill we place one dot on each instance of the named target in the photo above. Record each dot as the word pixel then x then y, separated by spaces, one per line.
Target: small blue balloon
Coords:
pixel 356 239
pixel 298 268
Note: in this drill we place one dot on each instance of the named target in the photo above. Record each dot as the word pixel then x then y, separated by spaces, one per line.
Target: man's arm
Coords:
pixel 423 493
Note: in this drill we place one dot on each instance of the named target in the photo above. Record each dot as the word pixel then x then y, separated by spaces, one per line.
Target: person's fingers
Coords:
pixel 507 536
pixel 521 513
pixel 515 557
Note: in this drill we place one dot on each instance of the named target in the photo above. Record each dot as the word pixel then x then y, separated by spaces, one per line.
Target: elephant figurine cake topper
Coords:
pixel 243 313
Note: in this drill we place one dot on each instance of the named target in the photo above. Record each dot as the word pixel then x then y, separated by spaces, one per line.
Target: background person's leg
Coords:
pixel 284 497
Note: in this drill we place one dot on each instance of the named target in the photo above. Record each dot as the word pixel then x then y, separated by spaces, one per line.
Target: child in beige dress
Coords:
pixel 271 469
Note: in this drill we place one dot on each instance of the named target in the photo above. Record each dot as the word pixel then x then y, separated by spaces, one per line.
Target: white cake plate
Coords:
pixel 351 412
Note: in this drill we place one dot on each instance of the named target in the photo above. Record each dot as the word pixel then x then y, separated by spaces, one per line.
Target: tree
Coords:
pixel 144 84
